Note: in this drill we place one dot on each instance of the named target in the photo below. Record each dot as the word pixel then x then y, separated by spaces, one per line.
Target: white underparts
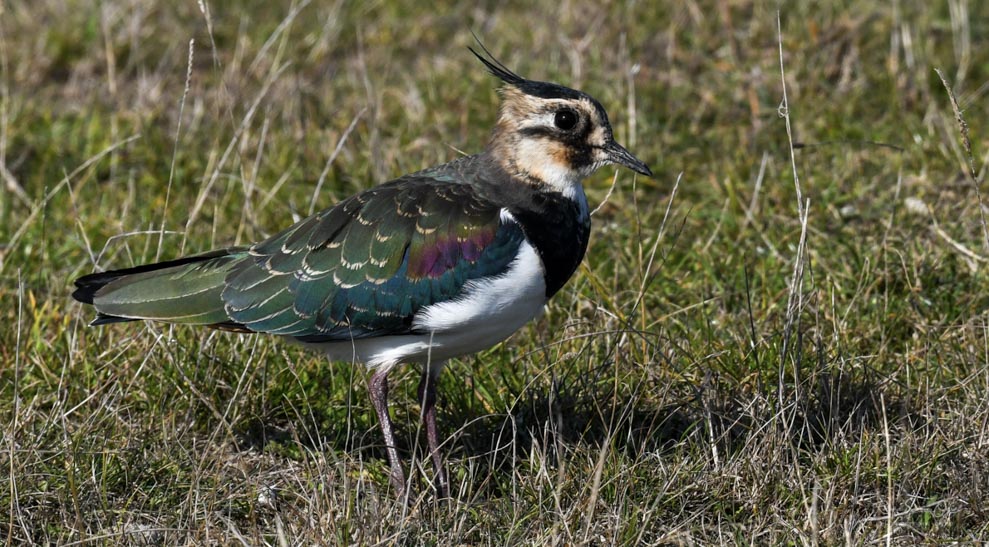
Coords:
pixel 489 311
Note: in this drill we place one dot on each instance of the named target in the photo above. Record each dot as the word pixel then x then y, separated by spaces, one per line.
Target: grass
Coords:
pixel 686 387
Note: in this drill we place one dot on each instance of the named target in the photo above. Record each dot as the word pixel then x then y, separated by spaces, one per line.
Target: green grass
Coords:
pixel 683 388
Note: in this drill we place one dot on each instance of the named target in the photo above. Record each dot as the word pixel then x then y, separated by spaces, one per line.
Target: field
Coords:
pixel 782 337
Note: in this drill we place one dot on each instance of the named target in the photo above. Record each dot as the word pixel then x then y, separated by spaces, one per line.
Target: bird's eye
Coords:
pixel 565 119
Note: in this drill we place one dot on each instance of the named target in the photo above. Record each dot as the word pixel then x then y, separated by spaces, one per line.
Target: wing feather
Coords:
pixel 368 265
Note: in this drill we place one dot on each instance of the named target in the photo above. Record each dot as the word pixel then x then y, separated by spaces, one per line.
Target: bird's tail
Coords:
pixel 186 290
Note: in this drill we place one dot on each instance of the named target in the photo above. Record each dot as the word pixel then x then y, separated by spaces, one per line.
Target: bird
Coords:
pixel 433 265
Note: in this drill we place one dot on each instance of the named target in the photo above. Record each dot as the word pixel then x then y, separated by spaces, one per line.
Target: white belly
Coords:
pixel 489 311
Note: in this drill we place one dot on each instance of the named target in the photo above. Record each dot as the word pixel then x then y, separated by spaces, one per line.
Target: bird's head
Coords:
pixel 551 134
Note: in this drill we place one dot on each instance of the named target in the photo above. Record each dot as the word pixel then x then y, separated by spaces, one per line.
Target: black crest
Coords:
pixel 544 90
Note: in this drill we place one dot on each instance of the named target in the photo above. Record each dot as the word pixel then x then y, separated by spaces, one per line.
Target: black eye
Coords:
pixel 565 119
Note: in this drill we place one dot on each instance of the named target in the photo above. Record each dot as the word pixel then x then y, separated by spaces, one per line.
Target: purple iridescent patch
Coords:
pixel 441 254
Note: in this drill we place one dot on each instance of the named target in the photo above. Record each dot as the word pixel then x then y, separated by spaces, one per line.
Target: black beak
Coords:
pixel 617 154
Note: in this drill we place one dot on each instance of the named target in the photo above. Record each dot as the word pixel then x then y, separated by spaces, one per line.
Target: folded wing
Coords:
pixel 367 266
pixel 362 268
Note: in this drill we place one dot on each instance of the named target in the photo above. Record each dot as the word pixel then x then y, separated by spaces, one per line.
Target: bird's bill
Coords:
pixel 619 155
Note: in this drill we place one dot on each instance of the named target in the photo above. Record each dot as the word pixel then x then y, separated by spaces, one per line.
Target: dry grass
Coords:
pixel 748 359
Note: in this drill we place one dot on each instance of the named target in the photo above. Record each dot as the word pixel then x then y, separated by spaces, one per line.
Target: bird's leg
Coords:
pixel 378 386
pixel 427 396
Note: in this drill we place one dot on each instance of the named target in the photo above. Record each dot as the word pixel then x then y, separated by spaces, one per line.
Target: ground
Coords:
pixel 781 338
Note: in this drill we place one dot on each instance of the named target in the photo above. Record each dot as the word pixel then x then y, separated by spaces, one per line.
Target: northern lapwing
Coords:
pixel 430 266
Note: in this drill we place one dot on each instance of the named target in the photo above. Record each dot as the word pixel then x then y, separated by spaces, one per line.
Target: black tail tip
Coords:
pixel 87 285
pixel 84 294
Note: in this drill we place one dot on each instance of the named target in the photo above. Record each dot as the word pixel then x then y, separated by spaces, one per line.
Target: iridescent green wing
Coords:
pixel 365 267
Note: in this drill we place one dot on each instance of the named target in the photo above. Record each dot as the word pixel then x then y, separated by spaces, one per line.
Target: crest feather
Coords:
pixel 544 90
pixel 496 67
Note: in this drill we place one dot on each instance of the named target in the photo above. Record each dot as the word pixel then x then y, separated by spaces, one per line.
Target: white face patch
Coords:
pixel 546 119
pixel 598 137
pixel 545 160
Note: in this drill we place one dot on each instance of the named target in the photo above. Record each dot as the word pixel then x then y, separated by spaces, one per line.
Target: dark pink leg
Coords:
pixel 378 386
pixel 427 396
